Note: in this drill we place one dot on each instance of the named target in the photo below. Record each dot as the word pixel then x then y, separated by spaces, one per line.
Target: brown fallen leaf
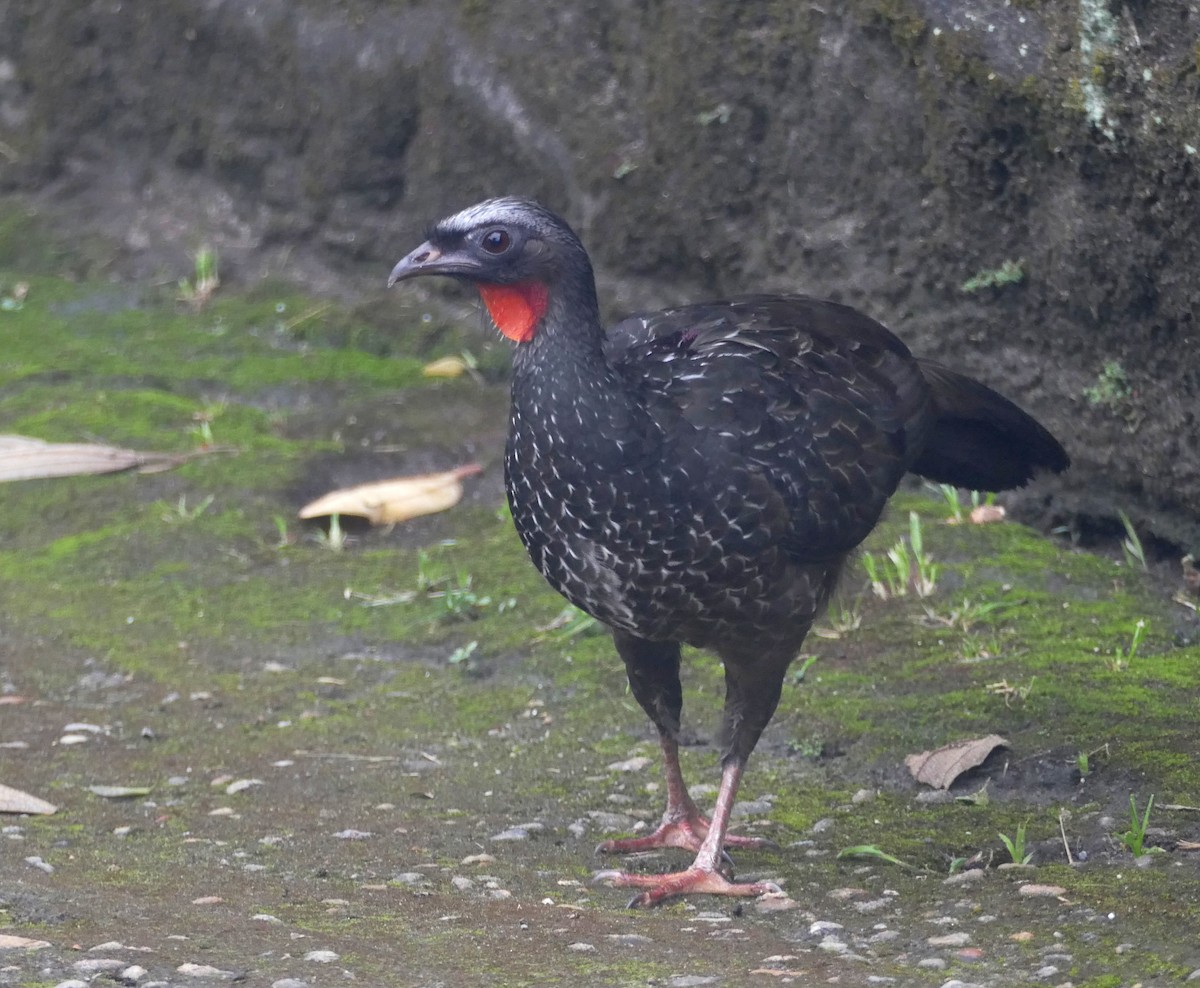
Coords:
pixel 941 767
pixel 24 458
pixel 15 801
pixel 386 502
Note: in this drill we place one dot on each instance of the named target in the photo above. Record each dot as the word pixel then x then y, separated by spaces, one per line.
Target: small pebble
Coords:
pixel 932 963
pixel 37 862
pixel 94 965
pixel 872 905
pixel 581 947
pixel 775 902
pixel 321 956
pixel 950 940
pixel 72 983
pixel 612 822
pixel 353 834
pixel 966 877
pixel 822 825
pixel 690 981
pixel 478 859
pixel 1049 971
pixel 265 918
pixel 462 883
pixel 1033 889
pixel 205 971
pixel 863 796
pixel 629 939
pixel 408 878
pixel 289 983
pixel 132 974
pixel 635 764
pixel 753 807
pixel 512 834
pixel 823 926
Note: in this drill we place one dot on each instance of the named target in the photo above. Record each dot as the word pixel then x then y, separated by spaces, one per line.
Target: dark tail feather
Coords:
pixel 981 440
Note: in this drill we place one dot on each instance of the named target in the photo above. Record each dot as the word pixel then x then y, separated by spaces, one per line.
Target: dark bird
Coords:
pixel 701 474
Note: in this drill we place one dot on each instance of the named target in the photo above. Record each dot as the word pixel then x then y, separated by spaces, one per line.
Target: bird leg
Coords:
pixel 704 875
pixel 683 825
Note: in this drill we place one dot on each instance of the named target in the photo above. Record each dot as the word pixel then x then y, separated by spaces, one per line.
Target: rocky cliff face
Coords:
pixel 885 152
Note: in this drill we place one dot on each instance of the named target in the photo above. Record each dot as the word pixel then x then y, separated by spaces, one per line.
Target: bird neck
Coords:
pixel 562 379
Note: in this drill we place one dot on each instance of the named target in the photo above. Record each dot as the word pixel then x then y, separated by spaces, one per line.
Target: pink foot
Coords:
pixel 693 881
pixel 687 833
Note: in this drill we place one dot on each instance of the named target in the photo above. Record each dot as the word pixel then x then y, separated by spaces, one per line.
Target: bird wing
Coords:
pixel 811 409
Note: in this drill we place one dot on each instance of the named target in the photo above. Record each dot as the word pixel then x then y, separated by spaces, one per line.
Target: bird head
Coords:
pixel 518 254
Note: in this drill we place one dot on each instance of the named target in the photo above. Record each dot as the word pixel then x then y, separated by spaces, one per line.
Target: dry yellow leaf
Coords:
pixel 445 367
pixel 386 502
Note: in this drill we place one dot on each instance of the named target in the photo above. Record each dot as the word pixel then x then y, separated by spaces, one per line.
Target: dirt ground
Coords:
pixel 278 760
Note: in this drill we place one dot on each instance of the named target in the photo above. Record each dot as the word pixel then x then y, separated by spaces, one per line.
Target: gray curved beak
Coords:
pixel 423 260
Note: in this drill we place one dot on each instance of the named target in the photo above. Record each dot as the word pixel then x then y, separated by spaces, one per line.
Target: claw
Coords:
pixel 694 881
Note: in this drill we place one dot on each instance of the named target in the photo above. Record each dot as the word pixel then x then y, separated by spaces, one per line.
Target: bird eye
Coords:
pixel 496 241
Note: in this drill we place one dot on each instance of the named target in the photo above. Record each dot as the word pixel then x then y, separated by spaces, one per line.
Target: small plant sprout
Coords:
pixel 882 577
pixel 1121 662
pixel 454 590
pixel 1135 837
pixel 801 671
pixel 905 565
pixel 463 653
pixel 841 618
pixel 197 292
pixel 924 573
pixel 1111 388
pixel 570 623
pixel 965 616
pixel 204 418
pixel 335 539
pixel 181 512
pixel 1016 846
pixel 949 494
pixel 1011 692
pixel 871 851
pixel 1009 273
pixel 1131 546
pixel 1083 761
pixel 281 526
